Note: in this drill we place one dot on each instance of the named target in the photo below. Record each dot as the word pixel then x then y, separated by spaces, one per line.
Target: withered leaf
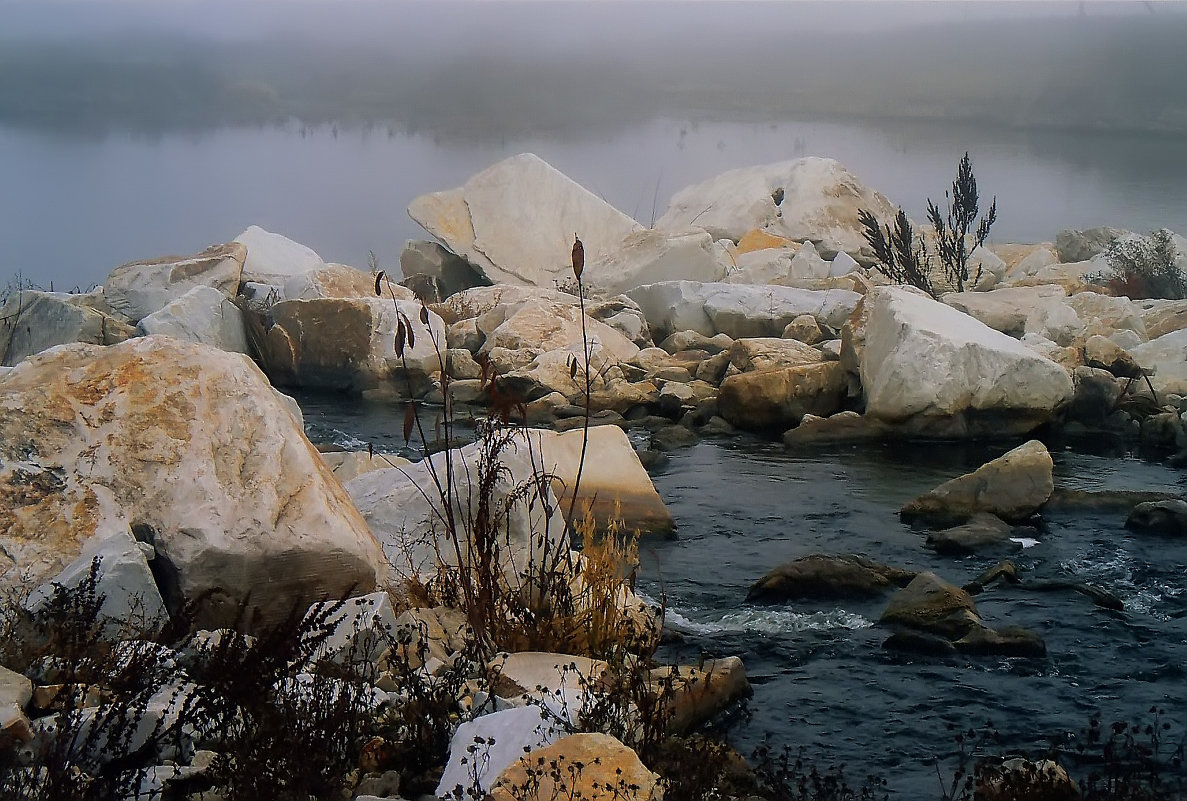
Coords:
pixel 378 279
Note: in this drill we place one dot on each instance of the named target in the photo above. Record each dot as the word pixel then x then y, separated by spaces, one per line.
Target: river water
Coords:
pixel 76 205
pixel 822 680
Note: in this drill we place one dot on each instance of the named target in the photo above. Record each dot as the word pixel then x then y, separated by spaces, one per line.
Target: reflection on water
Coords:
pixel 344 192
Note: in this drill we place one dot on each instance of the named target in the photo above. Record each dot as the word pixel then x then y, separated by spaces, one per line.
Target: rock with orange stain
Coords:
pixel 191 449
pixel 587 766
pixel 139 288
pixel 758 239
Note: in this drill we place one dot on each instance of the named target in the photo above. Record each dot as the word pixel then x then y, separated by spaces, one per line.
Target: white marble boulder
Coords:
pixel 190 447
pixel 811 198
pixel 930 369
pixel 515 222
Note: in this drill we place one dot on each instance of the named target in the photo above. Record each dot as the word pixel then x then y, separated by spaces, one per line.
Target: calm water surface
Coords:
pixel 74 207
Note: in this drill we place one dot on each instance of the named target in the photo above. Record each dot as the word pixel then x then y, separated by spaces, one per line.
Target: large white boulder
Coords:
pixel 810 198
pixel 203 315
pixel 651 255
pixel 191 448
pixel 931 369
pixel 515 221
pixel 32 321
pixel 138 289
pixel 274 259
pixel 737 310
pixel 349 343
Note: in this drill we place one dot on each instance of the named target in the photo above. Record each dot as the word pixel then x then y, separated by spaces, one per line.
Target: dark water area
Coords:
pixel 821 677
pixel 822 680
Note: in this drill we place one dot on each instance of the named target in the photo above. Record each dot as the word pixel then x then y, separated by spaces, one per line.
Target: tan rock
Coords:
pixel 770 353
pixel 758 239
pixel 340 281
pixel 1012 486
pixel 614 486
pixel 696 694
pixel 191 444
pixel 348 343
pixel 804 329
pixel 931 604
pixel 779 398
pixel 1163 316
pixel 609 771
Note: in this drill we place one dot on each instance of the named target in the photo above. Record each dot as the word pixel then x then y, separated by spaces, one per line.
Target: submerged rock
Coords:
pixel 1012 486
pixel 1159 517
pixel 934 607
pixel 981 531
pixel 827 577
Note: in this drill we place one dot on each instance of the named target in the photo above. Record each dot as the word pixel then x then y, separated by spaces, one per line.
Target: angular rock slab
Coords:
pixel 191 445
pixel 1012 486
pixel 516 219
pixel 483 748
pixel 33 321
pixel 614 485
pixel 930 369
pixel 810 198
pixel 130 595
pixel 140 288
pixel 203 315
pixel 738 310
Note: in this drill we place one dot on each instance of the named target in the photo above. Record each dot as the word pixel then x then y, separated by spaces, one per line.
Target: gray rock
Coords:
pixel 420 257
pixel 32 321
pixel 483 748
pixel 1159 517
pixel 132 602
pixel 203 315
pixel 982 531
pixel 1073 245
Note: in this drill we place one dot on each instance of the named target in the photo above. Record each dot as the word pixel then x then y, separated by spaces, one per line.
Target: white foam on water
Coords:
pixel 767 621
pixel 1025 542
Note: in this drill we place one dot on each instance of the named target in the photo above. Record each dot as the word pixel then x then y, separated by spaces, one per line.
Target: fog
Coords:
pixel 474 69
